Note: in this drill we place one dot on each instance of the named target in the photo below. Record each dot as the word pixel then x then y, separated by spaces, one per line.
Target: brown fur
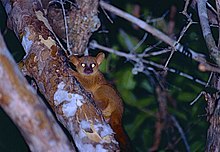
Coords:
pixel 106 98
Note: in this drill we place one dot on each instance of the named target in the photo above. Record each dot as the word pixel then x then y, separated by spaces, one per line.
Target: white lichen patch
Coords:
pixel 88 147
pixel 70 101
pixel 26 42
pixel 87 130
pixel 100 148
pixel 97 132
pixel 91 148
pixel 85 124
pixel 69 109
pixel 106 130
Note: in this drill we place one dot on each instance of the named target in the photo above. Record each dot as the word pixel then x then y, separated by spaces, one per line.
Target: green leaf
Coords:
pixel 179 114
pixel 144 102
pixel 197 146
pixel 186 96
pixel 133 128
pixel 146 85
pixel 126 79
pixel 128 97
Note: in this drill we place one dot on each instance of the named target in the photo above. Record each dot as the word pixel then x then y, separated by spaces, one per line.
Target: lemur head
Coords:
pixel 87 65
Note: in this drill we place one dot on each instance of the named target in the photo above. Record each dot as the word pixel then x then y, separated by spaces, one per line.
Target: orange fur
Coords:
pixel 105 96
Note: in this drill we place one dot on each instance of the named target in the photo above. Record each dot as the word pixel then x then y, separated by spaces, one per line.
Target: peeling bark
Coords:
pixel 82 19
pixel 21 103
pixel 48 65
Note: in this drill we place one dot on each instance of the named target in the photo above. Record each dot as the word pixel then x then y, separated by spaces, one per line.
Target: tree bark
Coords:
pixel 213 103
pixel 49 66
pixel 213 108
pixel 26 109
pixel 82 20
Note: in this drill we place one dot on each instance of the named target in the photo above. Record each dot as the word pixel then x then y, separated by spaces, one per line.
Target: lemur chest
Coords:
pixel 89 84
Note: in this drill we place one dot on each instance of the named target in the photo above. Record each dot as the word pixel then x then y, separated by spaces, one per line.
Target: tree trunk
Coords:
pixel 48 64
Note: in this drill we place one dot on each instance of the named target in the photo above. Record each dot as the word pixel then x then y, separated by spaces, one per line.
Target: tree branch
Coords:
pixel 207 34
pixel 158 34
pixel 65 23
pixel 27 110
pixel 138 58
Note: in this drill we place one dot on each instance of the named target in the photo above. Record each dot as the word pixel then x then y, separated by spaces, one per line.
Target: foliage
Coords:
pixel 138 91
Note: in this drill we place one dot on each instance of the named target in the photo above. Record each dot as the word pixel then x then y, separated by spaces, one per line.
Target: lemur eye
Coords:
pixel 83 64
pixel 93 65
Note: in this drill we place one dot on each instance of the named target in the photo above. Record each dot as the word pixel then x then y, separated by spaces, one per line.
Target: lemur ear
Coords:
pixel 74 59
pixel 100 57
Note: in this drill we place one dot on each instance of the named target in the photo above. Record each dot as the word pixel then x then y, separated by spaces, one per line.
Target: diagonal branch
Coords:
pixel 138 59
pixel 158 34
pixel 26 109
pixel 182 134
pixel 207 34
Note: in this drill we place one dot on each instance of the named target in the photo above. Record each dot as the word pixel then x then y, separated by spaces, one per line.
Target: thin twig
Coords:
pixel 212 8
pixel 197 98
pixel 144 54
pixel 202 92
pixel 94 44
pixel 106 14
pixel 66 28
pixel 184 30
pixel 179 128
pixel 185 8
pixel 168 60
pixel 170 32
pixel 140 42
pixel 138 58
pixel 185 75
pixel 196 56
pixel 127 40
pixel 209 80
pixel 155 53
pixel 158 19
